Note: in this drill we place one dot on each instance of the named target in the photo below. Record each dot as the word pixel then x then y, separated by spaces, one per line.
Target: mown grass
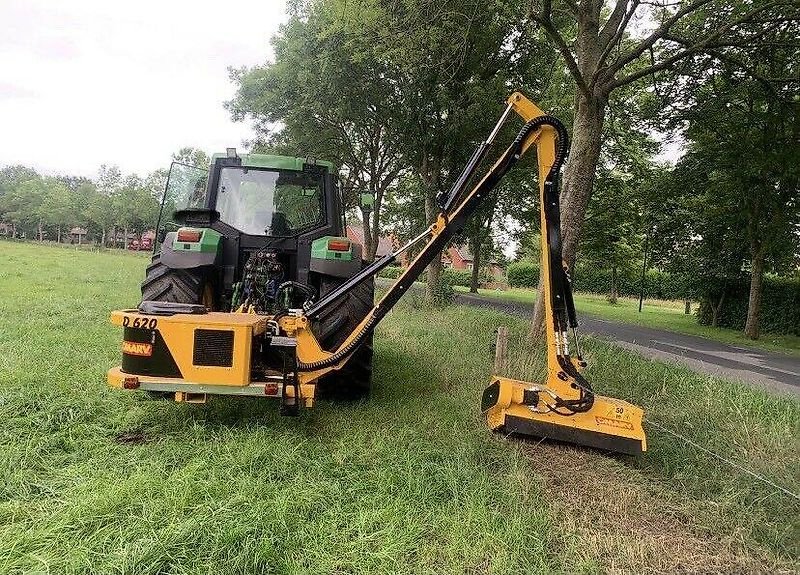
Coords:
pixel 410 481
pixel 667 315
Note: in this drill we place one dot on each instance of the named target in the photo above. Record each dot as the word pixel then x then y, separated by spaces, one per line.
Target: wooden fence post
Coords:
pixel 501 350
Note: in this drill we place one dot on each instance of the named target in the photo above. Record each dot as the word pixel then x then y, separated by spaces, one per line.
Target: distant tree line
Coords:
pixel 42 207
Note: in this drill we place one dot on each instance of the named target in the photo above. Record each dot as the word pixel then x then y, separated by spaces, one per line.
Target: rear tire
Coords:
pixel 354 380
pixel 162 283
pixel 180 286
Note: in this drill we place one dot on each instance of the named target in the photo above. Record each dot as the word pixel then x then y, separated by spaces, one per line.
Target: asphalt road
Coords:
pixel 774 371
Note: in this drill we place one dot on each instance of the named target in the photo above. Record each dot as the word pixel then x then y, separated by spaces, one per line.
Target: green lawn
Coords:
pixel 668 315
pixel 94 480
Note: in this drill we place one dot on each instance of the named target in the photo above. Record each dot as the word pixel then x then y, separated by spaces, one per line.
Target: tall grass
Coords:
pixel 410 481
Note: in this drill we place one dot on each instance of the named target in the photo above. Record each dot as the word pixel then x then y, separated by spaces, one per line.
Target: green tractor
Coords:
pixel 263 234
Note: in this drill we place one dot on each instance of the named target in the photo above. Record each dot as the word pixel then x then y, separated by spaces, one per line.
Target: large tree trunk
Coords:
pixel 41 231
pixel 475 248
pixel 58 237
pixel 754 302
pixel 716 309
pixel 370 241
pixel 435 267
pixel 579 173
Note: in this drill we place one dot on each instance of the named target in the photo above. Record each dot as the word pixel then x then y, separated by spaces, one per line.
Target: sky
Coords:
pixel 91 82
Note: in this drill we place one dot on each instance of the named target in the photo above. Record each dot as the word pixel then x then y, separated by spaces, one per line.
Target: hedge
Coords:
pixel 449 278
pixel 780 306
pixel 392 272
pixel 523 274
pixel 658 284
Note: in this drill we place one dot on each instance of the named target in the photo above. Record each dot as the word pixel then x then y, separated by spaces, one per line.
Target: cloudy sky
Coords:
pixel 87 82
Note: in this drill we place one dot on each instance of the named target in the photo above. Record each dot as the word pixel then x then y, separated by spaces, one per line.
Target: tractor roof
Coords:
pixel 275 162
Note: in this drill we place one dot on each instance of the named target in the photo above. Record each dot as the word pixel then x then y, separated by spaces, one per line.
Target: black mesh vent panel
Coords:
pixel 213 347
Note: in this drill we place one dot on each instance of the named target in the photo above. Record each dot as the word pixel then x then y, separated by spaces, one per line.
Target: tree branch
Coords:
pixel 657 34
pixel 614 40
pixel 690 50
pixel 544 19
pixel 611 26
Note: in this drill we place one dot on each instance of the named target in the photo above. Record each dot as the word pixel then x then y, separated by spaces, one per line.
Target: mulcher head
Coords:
pixel 525 409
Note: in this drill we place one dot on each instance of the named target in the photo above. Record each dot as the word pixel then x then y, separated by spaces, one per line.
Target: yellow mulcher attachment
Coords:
pixel 185 350
pixel 563 407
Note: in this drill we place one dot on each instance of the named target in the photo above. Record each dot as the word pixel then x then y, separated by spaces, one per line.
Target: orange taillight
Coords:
pixel 337 245
pixel 189 235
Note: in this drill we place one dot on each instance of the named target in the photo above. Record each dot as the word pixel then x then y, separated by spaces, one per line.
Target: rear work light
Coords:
pixel 189 235
pixel 339 245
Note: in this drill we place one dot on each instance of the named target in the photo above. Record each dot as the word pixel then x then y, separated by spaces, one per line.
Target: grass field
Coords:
pixel 410 481
pixel 668 315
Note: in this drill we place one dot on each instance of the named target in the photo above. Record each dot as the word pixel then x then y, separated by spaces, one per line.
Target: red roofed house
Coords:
pixel 460 258
pixel 385 243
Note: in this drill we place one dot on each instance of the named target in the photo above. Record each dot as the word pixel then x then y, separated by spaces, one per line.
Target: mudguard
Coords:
pixel 186 255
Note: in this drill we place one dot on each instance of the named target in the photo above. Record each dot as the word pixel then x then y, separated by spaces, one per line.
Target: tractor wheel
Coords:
pixel 354 380
pixel 180 286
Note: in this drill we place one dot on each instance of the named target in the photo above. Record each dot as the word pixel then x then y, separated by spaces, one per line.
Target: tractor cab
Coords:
pixel 263 211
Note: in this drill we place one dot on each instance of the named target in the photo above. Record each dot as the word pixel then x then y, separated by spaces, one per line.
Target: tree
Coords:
pixel 741 114
pixel 58 207
pixel 103 209
pixel 192 157
pixel 11 204
pixel 339 109
pixel 99 212
pixel 452 64
pixel 604 52
pixel 612 237
pixel 748 146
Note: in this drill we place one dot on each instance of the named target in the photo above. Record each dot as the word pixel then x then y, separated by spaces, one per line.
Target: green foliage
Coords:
pixel 658 284
pixel 192 157
pixel 780 306
pixel 455 277
pixel 529 247
pixel 523 274
pixel 49 207
pixel 443 292
pixel 451 276
pixel 392 272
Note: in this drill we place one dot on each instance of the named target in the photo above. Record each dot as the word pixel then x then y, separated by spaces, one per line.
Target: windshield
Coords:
pixel 186 188
pixel 269 202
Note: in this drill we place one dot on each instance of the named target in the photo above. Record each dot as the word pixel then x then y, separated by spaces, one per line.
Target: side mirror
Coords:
pixel 162 234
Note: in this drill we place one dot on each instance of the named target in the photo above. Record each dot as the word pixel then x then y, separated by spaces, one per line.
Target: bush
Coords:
pixel 780 306
pixel 444 294
pixel 461 278
pixel 392 272
pixel 523 274
pixel 658 284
